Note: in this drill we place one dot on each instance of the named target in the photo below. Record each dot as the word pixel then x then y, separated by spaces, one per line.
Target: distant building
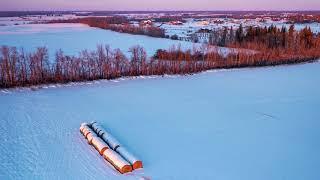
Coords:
pixel 276 19
pixel 261 20
pixel 218 21
pixel 146 23
pixel 176 23
pixel 204 23
pixel 203 35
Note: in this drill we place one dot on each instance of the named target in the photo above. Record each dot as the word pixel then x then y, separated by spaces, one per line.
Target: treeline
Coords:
pixel 138 30
pixel 18 68
pixel 265 37
pixel 94 21
pixel 301 18
pixel 117 24
pixel 209 57
pixel 164 19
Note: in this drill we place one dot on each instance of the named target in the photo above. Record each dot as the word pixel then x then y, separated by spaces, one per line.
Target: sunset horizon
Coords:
pixel 139 5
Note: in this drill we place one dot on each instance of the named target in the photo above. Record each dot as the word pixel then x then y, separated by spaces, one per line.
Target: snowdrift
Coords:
pixel 110 148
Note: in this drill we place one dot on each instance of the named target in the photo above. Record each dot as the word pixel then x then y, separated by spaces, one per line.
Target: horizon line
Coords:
pixel 266 10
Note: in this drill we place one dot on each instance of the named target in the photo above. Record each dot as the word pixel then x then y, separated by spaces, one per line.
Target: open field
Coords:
pixel 260 123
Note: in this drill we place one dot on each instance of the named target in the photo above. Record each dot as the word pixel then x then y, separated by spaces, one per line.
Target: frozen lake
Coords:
pixel 73 38
pixel 245 124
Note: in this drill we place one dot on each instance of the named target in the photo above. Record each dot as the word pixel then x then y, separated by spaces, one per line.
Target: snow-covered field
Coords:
pixel 244 124
pixel 9 21
pixel 191 26
pixel 73 38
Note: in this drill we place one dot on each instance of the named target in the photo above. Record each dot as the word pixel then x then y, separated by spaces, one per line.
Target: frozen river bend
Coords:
pixel 78 37
pixel 245 124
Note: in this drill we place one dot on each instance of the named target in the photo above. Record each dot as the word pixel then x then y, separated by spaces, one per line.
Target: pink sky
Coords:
pixel 160 5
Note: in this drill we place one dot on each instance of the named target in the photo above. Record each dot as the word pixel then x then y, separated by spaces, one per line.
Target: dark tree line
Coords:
pixel 116 23
pixel 170 18
pixel 265 37
pixel 95 21
pixel 304 18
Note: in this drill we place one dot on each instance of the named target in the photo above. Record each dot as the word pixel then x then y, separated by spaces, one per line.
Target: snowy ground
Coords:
pixel 191 26
pixel 245 124
pixel 10 21
pixel 73 38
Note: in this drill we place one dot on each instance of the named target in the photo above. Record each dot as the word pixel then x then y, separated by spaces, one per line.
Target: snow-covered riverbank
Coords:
pixel 73 38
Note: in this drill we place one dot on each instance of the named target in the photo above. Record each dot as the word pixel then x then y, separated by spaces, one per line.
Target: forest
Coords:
pixel 253 47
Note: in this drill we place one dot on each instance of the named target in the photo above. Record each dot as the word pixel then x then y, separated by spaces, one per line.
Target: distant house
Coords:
pixel 236 21
pixel 276 19
pixel 204 31
pixel 185 38
pixel 218 21
pixel 261 20
pixel 203 34
pixel 146 23
pixel 204 23
pixel 176 23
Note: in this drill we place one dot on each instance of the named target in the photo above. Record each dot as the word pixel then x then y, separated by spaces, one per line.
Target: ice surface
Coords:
pixel 12 21
pixel 41 28
pixel 245 124
pixel 73 38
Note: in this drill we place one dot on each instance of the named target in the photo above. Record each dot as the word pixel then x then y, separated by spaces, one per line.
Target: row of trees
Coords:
pixel 300 18
pixel 164 19
pixel 140 30
pixel 264 37
pixel 18 68
pixel 118 24
pixel 100 22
